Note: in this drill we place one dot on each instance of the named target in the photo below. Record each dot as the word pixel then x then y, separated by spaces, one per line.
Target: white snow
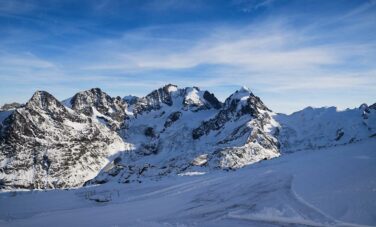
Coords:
pixel 241 95
pixel 327 187
pixel 75 125
pixel 192 97
pixel 200 160
pixel 192 173
pixel 172 88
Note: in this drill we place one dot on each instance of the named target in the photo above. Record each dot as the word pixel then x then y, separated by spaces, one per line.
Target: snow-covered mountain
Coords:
pixel 187 130
pixel 46 145
pixel 94 138
pixel 313 128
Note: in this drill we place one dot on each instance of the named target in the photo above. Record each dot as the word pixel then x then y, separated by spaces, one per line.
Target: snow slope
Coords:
pixel 329 187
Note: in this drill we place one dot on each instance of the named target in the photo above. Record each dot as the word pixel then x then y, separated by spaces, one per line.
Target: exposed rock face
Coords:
pixel 155 99
pixel 212 100
pixel 254 126
pixel 43 145
pixel 239 104
pixel 96 103
pixel 174 116
pixel 190 98
pixel 195 99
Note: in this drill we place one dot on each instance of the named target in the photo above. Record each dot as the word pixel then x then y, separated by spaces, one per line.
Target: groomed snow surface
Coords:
pixel 327 187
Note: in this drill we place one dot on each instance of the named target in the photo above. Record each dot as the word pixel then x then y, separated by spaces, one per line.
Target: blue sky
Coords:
pixel 290 53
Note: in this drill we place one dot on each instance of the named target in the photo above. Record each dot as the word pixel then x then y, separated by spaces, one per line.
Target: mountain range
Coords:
pixel 93 138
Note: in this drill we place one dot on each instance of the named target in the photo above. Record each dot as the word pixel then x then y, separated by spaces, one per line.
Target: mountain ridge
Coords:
pixel 94 138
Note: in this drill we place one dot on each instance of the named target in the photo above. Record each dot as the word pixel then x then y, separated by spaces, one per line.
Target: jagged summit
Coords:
pixel 243 101
pixel 242 93
pixel 155 99
pixel 195 99
pixel 99 105
pixel 188 98
pixel 42 103
pixel 43 100
pixel 83 101
pixel 170 88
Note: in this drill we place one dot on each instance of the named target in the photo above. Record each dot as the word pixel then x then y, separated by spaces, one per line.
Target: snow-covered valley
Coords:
pixel 327 187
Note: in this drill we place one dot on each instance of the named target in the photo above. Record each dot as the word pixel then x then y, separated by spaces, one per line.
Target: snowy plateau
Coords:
pixel 181 157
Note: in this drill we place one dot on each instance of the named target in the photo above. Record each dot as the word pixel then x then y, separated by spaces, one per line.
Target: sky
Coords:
pixel 292 54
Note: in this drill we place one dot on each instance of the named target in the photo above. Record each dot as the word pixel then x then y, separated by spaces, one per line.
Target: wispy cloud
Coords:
pixel 275 51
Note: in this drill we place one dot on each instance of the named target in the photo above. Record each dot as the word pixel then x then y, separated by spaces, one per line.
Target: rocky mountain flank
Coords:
pixel 46 145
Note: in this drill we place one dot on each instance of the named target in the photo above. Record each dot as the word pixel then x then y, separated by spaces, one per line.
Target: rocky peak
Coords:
pixel 95 97
pixel 170 88
pixel 10 106
pixel 239 95
pixel 214 102
pixel 84 102
pixel 44 100
pixel 156 99
pixel 243 101
pixel 195 99
pixel 189 98
pixel 162 95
